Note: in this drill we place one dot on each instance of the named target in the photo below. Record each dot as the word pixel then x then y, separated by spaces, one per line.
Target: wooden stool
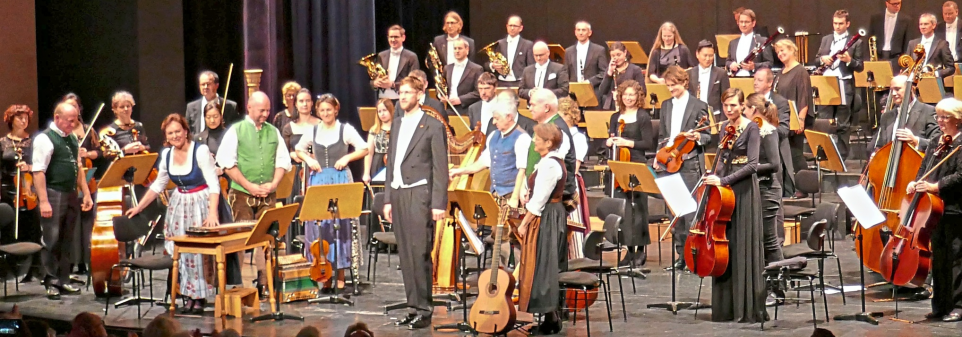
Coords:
pixel 230 303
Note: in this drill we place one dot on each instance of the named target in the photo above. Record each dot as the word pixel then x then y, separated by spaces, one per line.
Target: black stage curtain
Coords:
pixel 422 21
pixel 213 39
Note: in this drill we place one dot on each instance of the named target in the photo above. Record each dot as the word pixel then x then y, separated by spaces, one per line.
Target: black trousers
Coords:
pixel 947 265
pixel 844 116
pixel 57 235
pixel 411 213
pixel 771 195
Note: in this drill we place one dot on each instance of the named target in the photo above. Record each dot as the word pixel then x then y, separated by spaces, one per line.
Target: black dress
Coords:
pixel 381 142
pixel 633 72
pixel 739 294
pixel 769 167
pixel 947 236
pixel 796 85
pixel 660 59
pixel 81 244
pixel 281 118
pixel 29 227
pixel 544 250
pixel 635 234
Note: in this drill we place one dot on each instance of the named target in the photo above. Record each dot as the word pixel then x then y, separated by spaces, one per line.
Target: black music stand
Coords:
pixel 633 177
pixel 674 306
pixel 353 194
pixel 274 224
pixel 863 316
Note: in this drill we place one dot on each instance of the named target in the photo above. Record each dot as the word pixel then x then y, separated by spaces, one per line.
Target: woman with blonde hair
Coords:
pixel 795 85
pixel 129 134
pixel 378 139
pixel 289 114
pixel 669 49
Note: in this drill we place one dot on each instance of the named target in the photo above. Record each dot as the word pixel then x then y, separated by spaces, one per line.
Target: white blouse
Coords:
pixel 327 137
pixel 204 161
pixel 549 173
pixel 581 143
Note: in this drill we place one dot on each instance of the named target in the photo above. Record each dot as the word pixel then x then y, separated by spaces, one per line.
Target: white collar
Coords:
pixel 703 70
pixel 251 120
pixel 750 35
pixel 541 66
pixel 890 14
pixel 452 38
pixel 768 95
pixel 398 51
pixel 682 99
pixel 511 39
pixel 53 126
pixel 927 40
pixel 585 45
pixel 510 130
pixel 416 114
pixel 461 63
pixel 952 24
pixel 840 36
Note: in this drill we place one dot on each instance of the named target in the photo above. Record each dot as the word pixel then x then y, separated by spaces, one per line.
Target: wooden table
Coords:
pixel 219 247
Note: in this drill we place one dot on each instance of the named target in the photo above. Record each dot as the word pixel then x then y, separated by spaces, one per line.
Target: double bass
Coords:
pixel 706 249
pixel 907 257
pixel 889 172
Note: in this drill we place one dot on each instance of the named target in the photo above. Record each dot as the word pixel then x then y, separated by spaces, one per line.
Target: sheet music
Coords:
pixel 861 205
pixel 473 240
pixel 677 195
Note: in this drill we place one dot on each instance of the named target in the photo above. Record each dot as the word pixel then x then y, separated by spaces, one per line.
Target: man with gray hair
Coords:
pixel 586 61
pixel 543 74
pixel 937 52
pixel 544 110
pixel 510 98
pixel 917 128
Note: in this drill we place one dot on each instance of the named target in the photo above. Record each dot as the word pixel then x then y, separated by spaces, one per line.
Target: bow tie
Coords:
pixel 393 53
pixel 453 38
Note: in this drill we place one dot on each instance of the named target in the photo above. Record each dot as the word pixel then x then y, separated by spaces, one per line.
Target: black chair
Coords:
pixel 807 182
pixel 814 246
pixel 781 274
pixel 585 282
pixel 21 249
pixel 383 237
pixel 655 125
pixel 595 245
pixel 128 230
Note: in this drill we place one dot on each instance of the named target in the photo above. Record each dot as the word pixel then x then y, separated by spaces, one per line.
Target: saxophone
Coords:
pixel 496 58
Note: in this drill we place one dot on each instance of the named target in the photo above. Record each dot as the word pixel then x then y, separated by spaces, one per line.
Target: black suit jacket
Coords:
pixel 555 79
pixel 940 32
pixel 940 56
pixel 694 111
pixel 523 55
pixel 921 121
pixel 900 35
pixel 425 158
pixel 468 84
pixel 825 49
pixel 718 79
pixel 407 63
pixel 764 59
pixel 441 43
pixel 195 114
pixel 596 63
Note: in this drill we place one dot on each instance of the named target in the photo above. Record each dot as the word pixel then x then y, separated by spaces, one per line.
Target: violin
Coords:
pixel 673 156
pixel 321 269
pixel 153 172
pixel 907 257
pixel 619 153
pixel 26 194
pixel 706 249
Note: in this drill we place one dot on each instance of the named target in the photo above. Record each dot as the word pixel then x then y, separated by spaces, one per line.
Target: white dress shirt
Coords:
pixel 838 42
pixel 227 152
pixel 890 19
pixel 927 43
pixel 952 35
pixel 520 150
pixel 456 74
pixel 512 51
pixel 539 74
pixel 678 106
pixel 704 82
pixel 487 111
pixel 328 137
pixel 450 52
pixel 206 168
pixel 745 44
pixel 549 173
pixel 43 149
pixel 582 49
pixel 409 124
pixel 581 143
pixel 392 68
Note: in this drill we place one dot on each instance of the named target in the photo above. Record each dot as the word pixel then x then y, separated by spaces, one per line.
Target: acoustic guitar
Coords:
pixel 494 312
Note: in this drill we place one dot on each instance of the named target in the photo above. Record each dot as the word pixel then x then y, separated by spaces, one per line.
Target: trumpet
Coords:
pixel 374 68
pixel 497 58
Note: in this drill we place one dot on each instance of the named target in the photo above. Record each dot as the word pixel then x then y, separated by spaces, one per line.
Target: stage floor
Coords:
pixel 333 319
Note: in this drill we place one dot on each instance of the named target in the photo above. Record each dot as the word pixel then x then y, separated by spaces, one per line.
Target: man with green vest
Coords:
pixel 544 110
pixel 254 156
pixel 55 155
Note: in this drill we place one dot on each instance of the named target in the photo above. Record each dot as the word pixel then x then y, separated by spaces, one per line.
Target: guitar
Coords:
pixel 321 269
pixel 494 312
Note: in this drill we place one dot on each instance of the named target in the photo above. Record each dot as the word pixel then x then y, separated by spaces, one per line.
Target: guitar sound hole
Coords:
pixel 492 289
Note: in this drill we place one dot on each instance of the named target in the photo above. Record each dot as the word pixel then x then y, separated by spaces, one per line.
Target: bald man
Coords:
pixel 586 61
pixel 255 158
pixel 543 74
pixel 916 127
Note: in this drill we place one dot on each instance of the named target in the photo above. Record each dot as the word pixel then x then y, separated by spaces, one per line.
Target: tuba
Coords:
pixel 374 68
pixel 497 58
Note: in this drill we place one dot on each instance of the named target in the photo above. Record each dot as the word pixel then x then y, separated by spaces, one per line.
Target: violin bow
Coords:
pixel 91 126
pixel 230 70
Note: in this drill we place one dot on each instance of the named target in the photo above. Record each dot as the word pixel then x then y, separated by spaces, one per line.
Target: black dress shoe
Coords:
pixel 419 322
pixel 53 293
pixel 405 320
pixel 678 265
pixel 934 315
pixel 955 316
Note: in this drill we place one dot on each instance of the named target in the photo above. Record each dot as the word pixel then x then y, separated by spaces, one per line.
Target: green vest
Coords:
pixel 533 156
pixel 256 152
pixel 61 173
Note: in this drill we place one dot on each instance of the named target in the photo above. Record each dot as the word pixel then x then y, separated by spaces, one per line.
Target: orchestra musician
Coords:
pixel 209 82
pixel 740 47
pixel 481 111
pixel 682 113
pixel 709 81
pixel 254 175
pixel 571 113
pixel 397 61
pixel 795 85
pixel 424 100
pixel 543 74
pixel 517 50
pixel 330 140
pixel 937 52
pixel 669 49
pixel 214 133
pixel 920 121
pixel 946 241
pixel 586 61
pixel 510 97
pixel 89 150
pixel 847 63
pixel 462 77
pixel 543 230
pixel 892 30
pixel 763 85
pixel 193 203
pixel 378 140
pixel 295 130
pixel 452 32
pixel 17 118
pixel 626 71
pixel 739 294
pixel 769 167
pixel 55 154
pixel 122 129
pixel 416 197
pixel 289 114
pixel 948 29
pixel 544 110
pixel 636 137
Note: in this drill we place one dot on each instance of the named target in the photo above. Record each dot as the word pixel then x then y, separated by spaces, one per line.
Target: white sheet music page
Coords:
pixel 677 195
pixel 861 206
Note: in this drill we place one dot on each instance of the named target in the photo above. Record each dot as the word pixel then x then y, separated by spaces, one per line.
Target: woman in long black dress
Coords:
pixel 739 294
pixel 17 118
pixel 378 139
pixel 294 130
pixel 636 136
pixel 945 182
pixel 795 85
pixel 626 71
pixel 543 231
pixel 669 49
pixel 769 167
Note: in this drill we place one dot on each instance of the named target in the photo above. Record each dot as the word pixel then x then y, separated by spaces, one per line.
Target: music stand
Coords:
pixel 957 85
pixel 875 76
pixel 285 186
pixel 460 125
pixel 931 90
pixel 722 41
pixel 330 195
pixel 368 115
pixel 557 53
pixel 864 222
pixel 584 93
pixel 745 84
pixel 597 123
pixel 657 93
pixel 638 54
pixel 272 225
pixel 633 177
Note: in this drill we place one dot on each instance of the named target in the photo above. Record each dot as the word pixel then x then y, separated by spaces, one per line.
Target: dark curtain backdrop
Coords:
pixel 213 39
pixel 422 21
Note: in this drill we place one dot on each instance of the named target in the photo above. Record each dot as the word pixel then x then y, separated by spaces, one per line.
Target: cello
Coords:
pixel 889 172
pixel 706 248
pixel 907 257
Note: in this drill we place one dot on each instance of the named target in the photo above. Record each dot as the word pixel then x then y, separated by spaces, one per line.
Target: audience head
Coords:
pixel 86 324
pixel 161 326
pixel 309 331
pixel 358 329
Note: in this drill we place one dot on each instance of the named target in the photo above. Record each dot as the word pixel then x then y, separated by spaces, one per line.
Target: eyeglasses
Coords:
pixel 893 3
pixel 942 117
